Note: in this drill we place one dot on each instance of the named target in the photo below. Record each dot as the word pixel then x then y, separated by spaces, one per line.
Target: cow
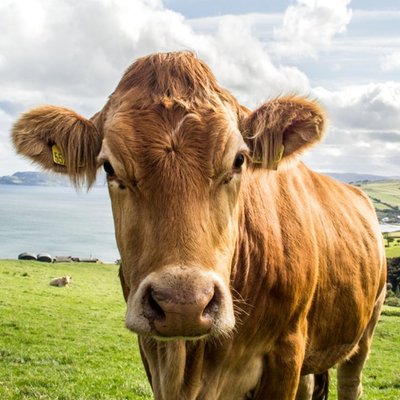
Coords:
pixel 61 282
pixel 246 275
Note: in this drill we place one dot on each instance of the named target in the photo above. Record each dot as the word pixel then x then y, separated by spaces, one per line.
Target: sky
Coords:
pixel 343 53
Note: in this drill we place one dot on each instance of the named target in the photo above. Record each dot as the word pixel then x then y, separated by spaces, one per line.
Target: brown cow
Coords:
pixel 242 269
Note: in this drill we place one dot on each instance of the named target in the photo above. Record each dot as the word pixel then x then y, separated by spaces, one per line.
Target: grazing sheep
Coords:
pixel 61 282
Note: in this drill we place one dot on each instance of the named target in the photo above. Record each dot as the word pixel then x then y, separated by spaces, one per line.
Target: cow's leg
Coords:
pixel 281 371
pixel 349 372
pixel 306 387
pixel 313 387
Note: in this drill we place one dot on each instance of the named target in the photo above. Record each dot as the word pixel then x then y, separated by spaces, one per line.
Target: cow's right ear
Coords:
pixel 59 140
pixel 281 129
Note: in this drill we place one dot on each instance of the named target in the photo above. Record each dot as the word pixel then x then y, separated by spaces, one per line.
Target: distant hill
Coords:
pixel 352 177
pixel 31 178
pixel 385 195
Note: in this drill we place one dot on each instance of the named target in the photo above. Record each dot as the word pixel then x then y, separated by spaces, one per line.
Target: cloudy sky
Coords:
pixel 345 53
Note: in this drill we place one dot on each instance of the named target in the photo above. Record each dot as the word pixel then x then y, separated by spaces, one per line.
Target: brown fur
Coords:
pixel 293 122
pixel 38 130
pixel 301 253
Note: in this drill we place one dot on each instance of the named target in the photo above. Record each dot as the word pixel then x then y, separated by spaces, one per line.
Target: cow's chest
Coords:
pixel 233 378
pixel 202 371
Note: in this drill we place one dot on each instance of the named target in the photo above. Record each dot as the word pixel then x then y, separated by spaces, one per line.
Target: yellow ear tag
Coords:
pixel 279 158
pixel 259 160
pixel 280 155
pixel 58 157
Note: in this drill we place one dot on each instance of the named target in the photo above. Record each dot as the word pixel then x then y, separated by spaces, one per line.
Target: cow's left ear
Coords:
pixel 282 128
pixel 60 140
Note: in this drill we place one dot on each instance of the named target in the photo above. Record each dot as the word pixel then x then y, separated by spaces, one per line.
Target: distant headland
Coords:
pixel 33 178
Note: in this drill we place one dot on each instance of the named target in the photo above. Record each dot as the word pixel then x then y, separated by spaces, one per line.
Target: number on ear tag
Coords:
pixel 58 157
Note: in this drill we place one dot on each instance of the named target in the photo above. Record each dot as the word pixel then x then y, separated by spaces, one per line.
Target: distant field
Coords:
pixel 383 192
pixel 71 344
pixel 392 248
pixel 392 252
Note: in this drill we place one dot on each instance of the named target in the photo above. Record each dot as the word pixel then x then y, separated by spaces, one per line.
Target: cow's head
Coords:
pixel 178 150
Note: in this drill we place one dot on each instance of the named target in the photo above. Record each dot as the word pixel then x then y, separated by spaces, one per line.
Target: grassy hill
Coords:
pixel 392 244
pixel 384 194
pixel 66 343
pixel 71 344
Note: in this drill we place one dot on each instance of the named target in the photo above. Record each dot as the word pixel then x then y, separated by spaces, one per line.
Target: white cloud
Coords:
pixel 310 25
pixel 81 49
pixel 7 154
pixel 74 53
pixel 374 106
pixel 242 63
pixel 364 134
pixel 391 62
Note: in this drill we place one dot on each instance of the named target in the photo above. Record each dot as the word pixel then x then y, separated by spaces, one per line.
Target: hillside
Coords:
pixel 33 178
pixel 386 198
pixel 350 177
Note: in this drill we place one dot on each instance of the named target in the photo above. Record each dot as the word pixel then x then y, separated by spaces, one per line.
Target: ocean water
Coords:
pixel 56 220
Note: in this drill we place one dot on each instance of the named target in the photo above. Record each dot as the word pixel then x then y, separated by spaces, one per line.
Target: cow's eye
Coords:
pixel 239 161
pixel 108 168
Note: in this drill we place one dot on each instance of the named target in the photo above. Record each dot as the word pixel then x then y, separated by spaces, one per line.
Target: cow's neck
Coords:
pixel 177 367
pixel 260 248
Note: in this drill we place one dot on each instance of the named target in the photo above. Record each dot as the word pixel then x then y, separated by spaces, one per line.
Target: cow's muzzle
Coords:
pixel 181 302
pixel 177 312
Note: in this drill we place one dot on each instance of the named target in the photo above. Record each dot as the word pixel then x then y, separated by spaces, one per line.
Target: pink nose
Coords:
pixel 178 313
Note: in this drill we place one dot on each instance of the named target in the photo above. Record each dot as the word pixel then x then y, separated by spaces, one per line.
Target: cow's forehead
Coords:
pixel 203 138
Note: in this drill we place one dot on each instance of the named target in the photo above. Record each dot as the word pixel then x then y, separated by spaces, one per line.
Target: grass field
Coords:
pixel 71 344
pixel 385 192
pixel 66 343
pixel 392 249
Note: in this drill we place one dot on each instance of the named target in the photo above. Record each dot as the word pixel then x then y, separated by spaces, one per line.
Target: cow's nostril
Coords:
pixel 212 307
pixel 155 309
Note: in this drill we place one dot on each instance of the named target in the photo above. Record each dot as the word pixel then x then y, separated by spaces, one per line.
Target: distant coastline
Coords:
pixel 33 178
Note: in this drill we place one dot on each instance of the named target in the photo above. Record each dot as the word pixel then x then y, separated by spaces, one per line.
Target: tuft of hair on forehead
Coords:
pixel 179 76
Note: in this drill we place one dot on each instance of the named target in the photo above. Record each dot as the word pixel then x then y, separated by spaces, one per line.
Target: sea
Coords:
pixel 56 220
pixel 61 221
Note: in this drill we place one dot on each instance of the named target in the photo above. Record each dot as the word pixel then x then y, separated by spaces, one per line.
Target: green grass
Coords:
pixel 392 251
pixel 71 343
pixel 66 343
pixel 387 191
pixel 381 376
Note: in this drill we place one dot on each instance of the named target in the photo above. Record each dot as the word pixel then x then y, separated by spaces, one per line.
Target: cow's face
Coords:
pixel 174 179
pixel 176 149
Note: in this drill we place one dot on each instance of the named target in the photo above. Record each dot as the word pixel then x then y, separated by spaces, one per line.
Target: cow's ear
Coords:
pixel 60 140
pixel 281 129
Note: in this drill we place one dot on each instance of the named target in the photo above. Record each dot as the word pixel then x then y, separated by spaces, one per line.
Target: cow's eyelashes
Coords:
pixel 108 169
